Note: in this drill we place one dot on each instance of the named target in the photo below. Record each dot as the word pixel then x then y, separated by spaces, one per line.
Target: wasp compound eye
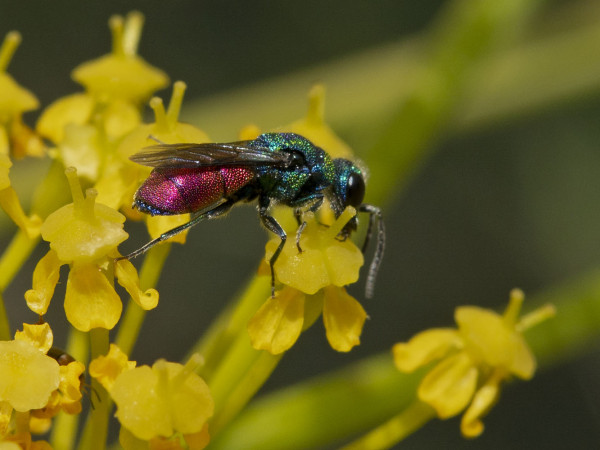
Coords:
pixel 355 190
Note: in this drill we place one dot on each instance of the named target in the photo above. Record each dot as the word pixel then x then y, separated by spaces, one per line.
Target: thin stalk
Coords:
pixel 134 316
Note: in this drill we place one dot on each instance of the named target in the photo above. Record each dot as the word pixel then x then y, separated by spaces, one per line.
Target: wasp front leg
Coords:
pixel 315 201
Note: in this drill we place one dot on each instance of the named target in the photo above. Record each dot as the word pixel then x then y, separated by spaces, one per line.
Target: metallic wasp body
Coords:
pixel 206 180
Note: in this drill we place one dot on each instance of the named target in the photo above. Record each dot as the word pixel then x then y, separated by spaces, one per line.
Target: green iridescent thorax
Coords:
pixel 315 173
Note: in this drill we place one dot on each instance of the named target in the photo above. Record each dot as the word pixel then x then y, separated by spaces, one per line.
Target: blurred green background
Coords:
pixel 507 198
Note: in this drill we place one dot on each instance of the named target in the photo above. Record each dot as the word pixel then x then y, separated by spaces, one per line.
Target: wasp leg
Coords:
pixel 211 214
pixel 273 226
pixel 374 214
pixel 316 201
pixel 299 234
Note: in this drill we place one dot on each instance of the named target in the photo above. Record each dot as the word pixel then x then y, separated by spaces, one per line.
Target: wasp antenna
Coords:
pixel 375 213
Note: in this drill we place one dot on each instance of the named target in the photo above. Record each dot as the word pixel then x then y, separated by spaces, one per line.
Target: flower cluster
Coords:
pixel 91 135
pixel 85 235
pixel 35 384
pixel 486 349
pixel 159 404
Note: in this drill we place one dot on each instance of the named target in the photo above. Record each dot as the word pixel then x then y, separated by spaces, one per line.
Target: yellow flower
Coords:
pixel 277 325
pixel 27 376
pixel 485 350
pixel 14 101
pixel 118 188
pixel 107 368
pixel 122 74
pixel 161 401
pixel 325 260
pixel 116 85
pixel 67 397
pixel 85 235
pixel 15 138
pixel 314 128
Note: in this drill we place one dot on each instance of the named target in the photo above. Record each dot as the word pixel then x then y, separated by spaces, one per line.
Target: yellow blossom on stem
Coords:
pixel 16 139
pixel 36 378
pixel 486 349
pixel 161 401
pixel 325 265
pixel 14 101
pixel 314 128
pixel 116 85
pixel 27 376
pixel 122 74
pixel 106 368
pixel 325 260
pixel 39 335
pixel 166 128
pixel 85 235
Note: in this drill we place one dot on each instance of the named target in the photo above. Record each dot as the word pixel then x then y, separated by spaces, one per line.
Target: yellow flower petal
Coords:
pixel 5 414
pixel 82 148
pixel 24 141
pixel 15 99
pixel 39 425
pixel 314 128
pixel 9 202
pixel 276 326
pixel 198 441
pixel 485 397
pixel 40 336
pixel 449 387
pixel 27 376
pixel 83 230
pixel 424 348
pixel 160 400
pixel 121 74
pixel 127 277
pixel 119 118
pixel 140 408
pixel 90 300
pixel 344 318
pixel 324 260
pixel 73 109
pixel 45 277
pixel 489 338
pixel 106 368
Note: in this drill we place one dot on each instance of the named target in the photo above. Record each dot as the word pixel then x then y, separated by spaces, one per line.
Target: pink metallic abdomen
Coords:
pixel 178 191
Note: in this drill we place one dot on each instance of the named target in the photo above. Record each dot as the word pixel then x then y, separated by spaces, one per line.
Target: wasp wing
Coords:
pixel 210 154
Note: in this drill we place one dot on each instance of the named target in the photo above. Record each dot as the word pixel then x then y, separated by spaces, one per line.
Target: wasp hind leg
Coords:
pixel 211 214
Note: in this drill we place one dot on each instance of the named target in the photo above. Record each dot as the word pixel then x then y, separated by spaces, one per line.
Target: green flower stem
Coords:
pixel 133 318
pixel 238 361
pixel 5 334
pixel 245 389
pixel 375 391
pixel 96 428
pixel 11 262
pixel 231 323
pixel 466 32
pixel 396 429
pixel 14 257
pixel 48 194
pixel 308 414
pixel 64 428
